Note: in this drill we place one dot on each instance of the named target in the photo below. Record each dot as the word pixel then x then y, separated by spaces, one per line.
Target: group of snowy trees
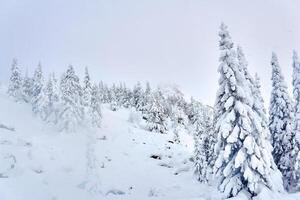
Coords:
pixel 68 103
pixel 242 150
pixel 65 103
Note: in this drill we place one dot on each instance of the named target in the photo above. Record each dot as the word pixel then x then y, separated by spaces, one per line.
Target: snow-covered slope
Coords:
pixel 38 162
pixel 119 161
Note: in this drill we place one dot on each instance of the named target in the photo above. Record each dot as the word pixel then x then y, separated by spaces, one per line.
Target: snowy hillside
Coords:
pixel 38 162
pixel 119 161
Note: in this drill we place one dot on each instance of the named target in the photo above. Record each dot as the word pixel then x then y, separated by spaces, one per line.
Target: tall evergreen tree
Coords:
pixel 54 116
pixel 242 164
pixel 26 88
pixel 95 108
pixel 203 149
pixel 259 102
pixel 155 115
pixel 296 92
pixel 254 85
pixel 15 82
pixel 87 88
pixel 36 88
pixel 45 100
pixel 281 125
pixel 137 96
pixel 71 114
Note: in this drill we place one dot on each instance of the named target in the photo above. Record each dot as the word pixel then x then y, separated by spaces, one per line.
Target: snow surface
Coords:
pixel 38 162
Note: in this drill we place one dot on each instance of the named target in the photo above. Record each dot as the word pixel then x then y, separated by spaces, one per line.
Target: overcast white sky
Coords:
pixel 163 41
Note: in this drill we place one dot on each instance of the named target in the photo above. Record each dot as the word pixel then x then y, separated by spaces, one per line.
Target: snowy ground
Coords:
pixel 39 163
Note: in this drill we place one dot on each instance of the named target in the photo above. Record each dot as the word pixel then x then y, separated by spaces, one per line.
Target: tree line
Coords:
pixel 69 103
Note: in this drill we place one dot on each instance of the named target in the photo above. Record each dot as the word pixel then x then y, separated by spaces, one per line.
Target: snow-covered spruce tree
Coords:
pixel 146 100
pixel 120 93
pixel 193 111
pixel 15 82
pixel 178 119
pixel 258 102
pixel 55 99
pixel 155 116
pixel 296 92
pixel 242 164
pixel 26 88
pixel 113 98
pixel 86 89
pixel 281 125
pixel 95 108
pixel 202 147
pixel 127 97
pixel 137 96
pixel 45 100
pixel 37 86
pixel 254 85
pixel 71 112
pixel 101 91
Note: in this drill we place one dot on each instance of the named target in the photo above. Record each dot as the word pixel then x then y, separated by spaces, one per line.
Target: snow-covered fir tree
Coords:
pixel 54 115
pixel 71 111
pixel 94 113
pixel 86 88
pixel 296 93
pixel 178 119
pixel 45 100
pixel 259 103
pixel 113 98
pixel 36 88
pixel 137 95
pixel 202 147
pixel 146 100
pixel 15 82
pixel 295 182
pixel 26 88
pixel 127 96
pixel 281 125
pixel 241 164
pixel 155 115
pixel 192 110
pixel 254 85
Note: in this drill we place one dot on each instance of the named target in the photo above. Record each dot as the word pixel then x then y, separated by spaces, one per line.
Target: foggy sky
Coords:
pixel 163 41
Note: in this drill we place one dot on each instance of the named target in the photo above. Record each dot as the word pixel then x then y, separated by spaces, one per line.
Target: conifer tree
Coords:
pixel 146 100
pixel 113 98
pixel 45 100
pixel 242 163
pixel 95 108
pixel 127 96
pixel 54 116
pixel 155 116
pixel 15 82
pixel 87 89
pixel 71 113
pixel 281 125
pixel 259 103
pixel 295 179
pixel 296 93
pixel 36 88
pixel 137 96
pixel 203 149
pixel 26 88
